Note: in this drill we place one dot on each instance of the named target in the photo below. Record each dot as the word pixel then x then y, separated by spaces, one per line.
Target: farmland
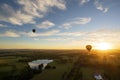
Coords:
pixel 68 64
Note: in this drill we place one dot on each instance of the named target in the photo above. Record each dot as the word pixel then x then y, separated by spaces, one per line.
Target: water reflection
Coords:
pixel 35 64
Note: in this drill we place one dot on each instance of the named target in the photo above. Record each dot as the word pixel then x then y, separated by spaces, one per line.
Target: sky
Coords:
pixel 59 24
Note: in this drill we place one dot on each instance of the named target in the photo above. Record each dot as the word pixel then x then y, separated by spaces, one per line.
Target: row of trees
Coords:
pixel 26 74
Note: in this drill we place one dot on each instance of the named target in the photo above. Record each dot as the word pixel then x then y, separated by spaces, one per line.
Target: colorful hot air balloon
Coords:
pixel 33 30
pixel 88 47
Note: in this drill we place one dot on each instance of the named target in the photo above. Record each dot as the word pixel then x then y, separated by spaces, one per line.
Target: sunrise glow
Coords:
pixel 59 24
pixel 103 46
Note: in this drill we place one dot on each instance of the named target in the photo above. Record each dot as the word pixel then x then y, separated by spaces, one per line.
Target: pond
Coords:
pixel 35 64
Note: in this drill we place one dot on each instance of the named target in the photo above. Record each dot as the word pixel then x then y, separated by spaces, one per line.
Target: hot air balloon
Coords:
pixel 88 47
pixel 33 30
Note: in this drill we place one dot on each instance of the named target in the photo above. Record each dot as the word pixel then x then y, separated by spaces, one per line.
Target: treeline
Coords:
pixel 25 74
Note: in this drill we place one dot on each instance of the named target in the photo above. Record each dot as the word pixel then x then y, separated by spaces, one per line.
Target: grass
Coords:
pixel 54 74
pixel 10 63
pixel 5 71
pixel 16 63
pixel 88 72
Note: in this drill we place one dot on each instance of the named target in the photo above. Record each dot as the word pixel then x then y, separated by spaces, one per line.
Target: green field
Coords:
pixel 11 65
pixel 54 74
pixel 69 64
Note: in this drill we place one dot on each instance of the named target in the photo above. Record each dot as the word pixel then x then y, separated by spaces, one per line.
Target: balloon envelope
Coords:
pixel 33 30
pixel 88 47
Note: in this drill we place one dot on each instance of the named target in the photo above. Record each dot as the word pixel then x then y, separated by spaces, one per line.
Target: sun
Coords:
pixel 103 46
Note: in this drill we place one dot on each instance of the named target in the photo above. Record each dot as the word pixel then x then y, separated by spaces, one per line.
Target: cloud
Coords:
pixel 40 7
pixel 100 7
pixel 2 25
pixel 96 37
pixel 97 4
pixel 28 10
pixel 15 17
pixel 103 35
pixel 75 34
pixel 77 21
pixel 45 25
pixel 21 18
pixel 83 1
pixel 53 33
pixel 9 33
pixel 48 33
pixel 55 39
pixel 36 39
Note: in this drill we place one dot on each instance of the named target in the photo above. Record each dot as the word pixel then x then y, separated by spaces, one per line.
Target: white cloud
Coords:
pixel 9 33
pixel 15 17
pixel 53 33
pixel 103 35
pixel 36 39
pixel 39 7
pixel 77 21
pixel 81 21
pixel 97 4
pixel 75 34
pixel 83 1
pixel 45 25
pixel 100 7
pixel 96 37
pixel 21 18
pixel 30 9
pixel 48 33
pixel 57 39
pixel 2 25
